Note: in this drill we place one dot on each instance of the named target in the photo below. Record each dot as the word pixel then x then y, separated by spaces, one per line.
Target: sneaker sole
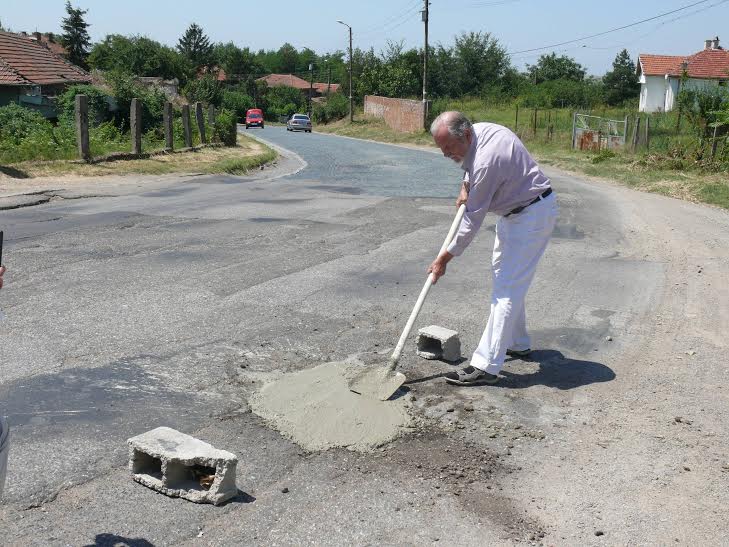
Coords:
pixel 518 353
pixel 482 382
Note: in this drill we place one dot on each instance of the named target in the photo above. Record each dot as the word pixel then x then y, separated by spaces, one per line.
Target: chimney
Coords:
pixel 51 37
pixel 707 44
pixel 37 36
pixel 715 43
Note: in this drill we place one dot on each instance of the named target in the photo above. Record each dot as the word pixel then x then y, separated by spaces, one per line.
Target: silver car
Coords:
pixel 299 122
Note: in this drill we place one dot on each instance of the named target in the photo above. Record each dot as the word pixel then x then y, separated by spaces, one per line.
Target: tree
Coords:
pixel 236 61
pixel 479 61
pixel 195 46
pixel 75 37
pixel 621 83
pixel 550 67
pixel 140 56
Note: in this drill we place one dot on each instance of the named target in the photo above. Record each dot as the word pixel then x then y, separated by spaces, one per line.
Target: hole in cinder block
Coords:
pixel 145 464
pixel 430 345
pixel 189 477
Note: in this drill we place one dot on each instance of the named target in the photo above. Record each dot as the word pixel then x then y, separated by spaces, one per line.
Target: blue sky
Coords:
pixel 518 24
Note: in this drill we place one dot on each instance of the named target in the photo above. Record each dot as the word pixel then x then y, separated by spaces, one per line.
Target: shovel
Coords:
pixel 381 382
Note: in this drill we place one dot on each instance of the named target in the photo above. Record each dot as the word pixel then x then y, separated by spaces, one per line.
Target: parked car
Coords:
pixel 254 117
pixel 299 122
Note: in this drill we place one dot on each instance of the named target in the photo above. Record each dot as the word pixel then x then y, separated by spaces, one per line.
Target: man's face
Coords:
pixel 454 148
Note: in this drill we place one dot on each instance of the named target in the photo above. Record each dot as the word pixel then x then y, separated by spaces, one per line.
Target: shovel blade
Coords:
pixel 378 383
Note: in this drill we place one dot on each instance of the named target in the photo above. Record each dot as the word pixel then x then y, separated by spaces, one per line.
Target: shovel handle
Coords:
pixel 424 292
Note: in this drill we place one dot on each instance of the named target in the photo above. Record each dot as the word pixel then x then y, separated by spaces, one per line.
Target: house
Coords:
pixel 32 75
pixel 317 89
pixel 661 75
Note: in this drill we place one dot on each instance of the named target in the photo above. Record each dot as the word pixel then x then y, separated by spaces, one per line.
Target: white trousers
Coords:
pixel 520 243
pixel 4 449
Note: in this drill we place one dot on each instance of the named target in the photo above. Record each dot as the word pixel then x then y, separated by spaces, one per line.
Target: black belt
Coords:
pixel 532 202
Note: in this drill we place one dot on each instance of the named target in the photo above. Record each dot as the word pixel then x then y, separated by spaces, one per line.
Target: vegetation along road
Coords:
pixel 172 302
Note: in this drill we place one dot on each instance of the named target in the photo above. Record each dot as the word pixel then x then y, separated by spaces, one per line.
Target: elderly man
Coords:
pixel 499 176
pixel 4 431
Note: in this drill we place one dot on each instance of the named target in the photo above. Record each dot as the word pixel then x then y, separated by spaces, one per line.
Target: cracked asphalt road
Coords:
pixel 169 301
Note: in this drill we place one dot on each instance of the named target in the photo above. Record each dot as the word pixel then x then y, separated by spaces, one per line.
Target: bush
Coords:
pixel 237 102
pixel 98 99
pixel 17 123
pixel 205 90
pixel 226 129
pixel 334 108
pixel 125 89
pixel 283 101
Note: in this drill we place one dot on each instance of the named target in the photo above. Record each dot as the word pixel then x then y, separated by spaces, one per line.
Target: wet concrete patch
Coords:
pixel 169 192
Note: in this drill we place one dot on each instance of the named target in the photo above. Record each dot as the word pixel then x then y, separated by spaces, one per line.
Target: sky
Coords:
pixel 518 24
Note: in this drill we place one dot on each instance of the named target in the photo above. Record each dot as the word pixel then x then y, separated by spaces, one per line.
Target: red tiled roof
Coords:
pixel 322 87
pixel 285 79
pixel 27 62
pixel 708 64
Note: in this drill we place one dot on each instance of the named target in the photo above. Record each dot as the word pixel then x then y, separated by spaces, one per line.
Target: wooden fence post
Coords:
pixel 714 143
pixel 534 123
pixel 211 115
pixel 648 133
pixel 574 126
pixel 135 125
pixel 167 119
pixel 636 133
pixel 516 119
pixel 200 119
pixel 82 127
pixel 625 133
pixel 186 125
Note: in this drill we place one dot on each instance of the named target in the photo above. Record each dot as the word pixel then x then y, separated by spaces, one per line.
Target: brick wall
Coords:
pixel 402 115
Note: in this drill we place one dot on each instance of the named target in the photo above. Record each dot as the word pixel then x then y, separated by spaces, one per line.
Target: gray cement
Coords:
pixel 316 409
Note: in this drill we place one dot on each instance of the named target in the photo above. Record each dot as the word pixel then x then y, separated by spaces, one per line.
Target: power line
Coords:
pixel 392 18
pixel 611 30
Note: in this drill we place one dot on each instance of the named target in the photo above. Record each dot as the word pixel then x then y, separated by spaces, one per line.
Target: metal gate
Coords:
pixel 596 133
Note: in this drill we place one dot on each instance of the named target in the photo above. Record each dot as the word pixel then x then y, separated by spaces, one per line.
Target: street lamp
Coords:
pixel 351 116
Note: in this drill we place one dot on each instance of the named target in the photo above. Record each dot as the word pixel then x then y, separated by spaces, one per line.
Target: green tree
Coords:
pixel 551 67
pixel 479 61
pixel 75 36
pixel 140 56
pixel 621 83
pixel 206 90
pixel 236 61
pixel 195 46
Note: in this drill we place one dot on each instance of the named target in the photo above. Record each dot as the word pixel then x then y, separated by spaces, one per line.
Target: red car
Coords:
pixel 254 117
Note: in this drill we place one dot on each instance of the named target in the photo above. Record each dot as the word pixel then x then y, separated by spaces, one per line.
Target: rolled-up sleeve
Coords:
pixel 479 198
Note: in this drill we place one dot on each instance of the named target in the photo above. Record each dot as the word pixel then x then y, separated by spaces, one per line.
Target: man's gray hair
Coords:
pixel 456 122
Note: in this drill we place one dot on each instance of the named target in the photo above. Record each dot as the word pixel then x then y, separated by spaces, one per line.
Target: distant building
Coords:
pixel 318 89
pixel 32 75
pixel 660 75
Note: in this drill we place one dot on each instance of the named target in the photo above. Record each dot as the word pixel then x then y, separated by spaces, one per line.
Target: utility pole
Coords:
pixel 351 113
pixel 425 67
pixel 311 84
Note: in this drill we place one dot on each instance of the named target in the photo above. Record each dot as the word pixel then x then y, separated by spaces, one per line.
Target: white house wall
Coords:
pixel 652 94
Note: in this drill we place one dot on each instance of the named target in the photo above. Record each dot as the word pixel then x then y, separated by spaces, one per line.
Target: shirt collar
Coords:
pixel 468 158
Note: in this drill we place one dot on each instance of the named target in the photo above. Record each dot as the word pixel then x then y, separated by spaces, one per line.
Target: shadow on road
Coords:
pixel 556 370
pixel 112 540
pixel 13 173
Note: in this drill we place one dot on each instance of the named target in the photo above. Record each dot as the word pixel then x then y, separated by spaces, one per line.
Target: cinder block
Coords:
pixel 436 342
pixel 179 465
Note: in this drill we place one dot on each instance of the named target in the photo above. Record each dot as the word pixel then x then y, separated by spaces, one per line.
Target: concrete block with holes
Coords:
pixel 179 465
pixel 436 342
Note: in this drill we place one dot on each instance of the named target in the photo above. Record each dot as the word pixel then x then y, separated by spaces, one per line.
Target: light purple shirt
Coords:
pixel 502 176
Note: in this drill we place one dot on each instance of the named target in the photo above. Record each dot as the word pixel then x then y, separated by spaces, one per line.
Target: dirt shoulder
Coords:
pixel 42 176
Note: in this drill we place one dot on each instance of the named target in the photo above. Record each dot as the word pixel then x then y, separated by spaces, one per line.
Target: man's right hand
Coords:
pixel 462 196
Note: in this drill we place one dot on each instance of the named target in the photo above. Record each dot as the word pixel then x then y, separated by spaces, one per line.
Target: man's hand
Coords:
pixel 463 195
pixel 438 267
pixel 2 271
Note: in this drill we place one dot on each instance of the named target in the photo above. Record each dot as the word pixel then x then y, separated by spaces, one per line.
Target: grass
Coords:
pixel 651 171
pixel 248 154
